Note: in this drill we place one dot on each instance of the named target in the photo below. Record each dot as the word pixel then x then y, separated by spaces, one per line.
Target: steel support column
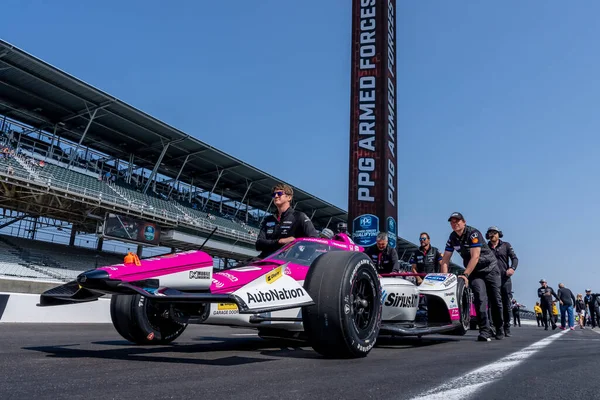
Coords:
pixel 51 151
pixel 179 174
pixel 266 211
pixel 328 222
pixel 130 169
pixel 153 174
pixel 82 137
pixel 213 189
pixel 34 230
pixel 243 198
pixel 73 234
pixel 191 187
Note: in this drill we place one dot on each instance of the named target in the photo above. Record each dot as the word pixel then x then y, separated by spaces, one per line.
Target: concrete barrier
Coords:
pixel 22 308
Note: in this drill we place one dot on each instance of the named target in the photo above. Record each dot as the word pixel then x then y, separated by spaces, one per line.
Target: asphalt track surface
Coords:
pixel 92 362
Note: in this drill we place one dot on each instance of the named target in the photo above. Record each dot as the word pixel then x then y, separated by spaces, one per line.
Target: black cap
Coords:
pixel 456 215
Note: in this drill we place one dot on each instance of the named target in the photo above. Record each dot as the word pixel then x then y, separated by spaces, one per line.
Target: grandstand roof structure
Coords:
pixel 47 98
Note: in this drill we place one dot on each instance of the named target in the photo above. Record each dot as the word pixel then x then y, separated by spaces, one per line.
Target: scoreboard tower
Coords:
pixel 373 196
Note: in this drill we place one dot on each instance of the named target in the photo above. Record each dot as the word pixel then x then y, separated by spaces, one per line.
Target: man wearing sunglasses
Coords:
pixel 507 262
pixel 481 273
pixel 285 226
pixel 427 259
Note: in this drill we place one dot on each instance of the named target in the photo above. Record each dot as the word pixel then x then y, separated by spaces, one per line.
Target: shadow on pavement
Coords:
pixel 409 341
pixel 168 353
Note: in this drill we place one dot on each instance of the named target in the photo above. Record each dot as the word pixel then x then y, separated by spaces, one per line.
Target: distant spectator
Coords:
pixel 580 309
pixel 538 313
pixel 516 307
pixel 554 313
pixel 567 301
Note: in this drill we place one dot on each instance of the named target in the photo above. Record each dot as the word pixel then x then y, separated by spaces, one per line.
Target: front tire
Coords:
pixel 345 320
pixel 142 321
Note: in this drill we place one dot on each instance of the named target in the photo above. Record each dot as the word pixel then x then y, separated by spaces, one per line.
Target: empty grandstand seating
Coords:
pixel 27 258
pixel 5 162
pixel 56 173
pixel 78 179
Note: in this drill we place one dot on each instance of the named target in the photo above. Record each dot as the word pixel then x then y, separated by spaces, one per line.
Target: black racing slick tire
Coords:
pixel 463 294
pixel 345 320
pixel 139 320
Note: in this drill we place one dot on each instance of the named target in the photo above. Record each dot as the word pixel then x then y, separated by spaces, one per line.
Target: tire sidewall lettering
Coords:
pixel 365 267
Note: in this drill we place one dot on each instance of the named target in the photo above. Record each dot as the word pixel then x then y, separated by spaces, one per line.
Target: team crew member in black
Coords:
pixel 384 257
pixel 283 228
pixel 545 293
pixel 504 254
pixel 592 303
pixel 427 259
pixel 481 272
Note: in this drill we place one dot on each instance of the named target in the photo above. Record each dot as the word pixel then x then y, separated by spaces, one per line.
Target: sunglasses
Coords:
pixel 422 239
pixel 492 233
pixel 278 193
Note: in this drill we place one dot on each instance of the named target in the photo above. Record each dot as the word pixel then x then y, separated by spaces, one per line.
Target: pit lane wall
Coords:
pixel 22 308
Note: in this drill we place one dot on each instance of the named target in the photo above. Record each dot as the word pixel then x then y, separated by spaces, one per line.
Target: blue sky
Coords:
pixel 497 103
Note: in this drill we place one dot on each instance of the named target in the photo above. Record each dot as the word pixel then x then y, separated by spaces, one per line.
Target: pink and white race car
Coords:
pixel 327 292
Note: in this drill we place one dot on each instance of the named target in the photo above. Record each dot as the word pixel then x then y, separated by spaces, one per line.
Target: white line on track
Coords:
pixel 464 386
pixel 244 334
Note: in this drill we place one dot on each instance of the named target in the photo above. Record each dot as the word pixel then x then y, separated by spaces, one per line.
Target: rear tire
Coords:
pixel 141 321
pixel 345 320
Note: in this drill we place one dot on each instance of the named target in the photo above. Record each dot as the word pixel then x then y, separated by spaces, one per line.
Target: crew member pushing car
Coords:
pixel 284 227
pixel 383 256
pixel 426 259
pixel 481 272
pixel 507 263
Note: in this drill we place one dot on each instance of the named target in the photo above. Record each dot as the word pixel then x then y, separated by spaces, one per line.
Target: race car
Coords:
pixel 324 291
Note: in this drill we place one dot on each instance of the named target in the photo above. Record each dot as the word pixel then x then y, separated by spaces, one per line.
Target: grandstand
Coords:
pixel 71 154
